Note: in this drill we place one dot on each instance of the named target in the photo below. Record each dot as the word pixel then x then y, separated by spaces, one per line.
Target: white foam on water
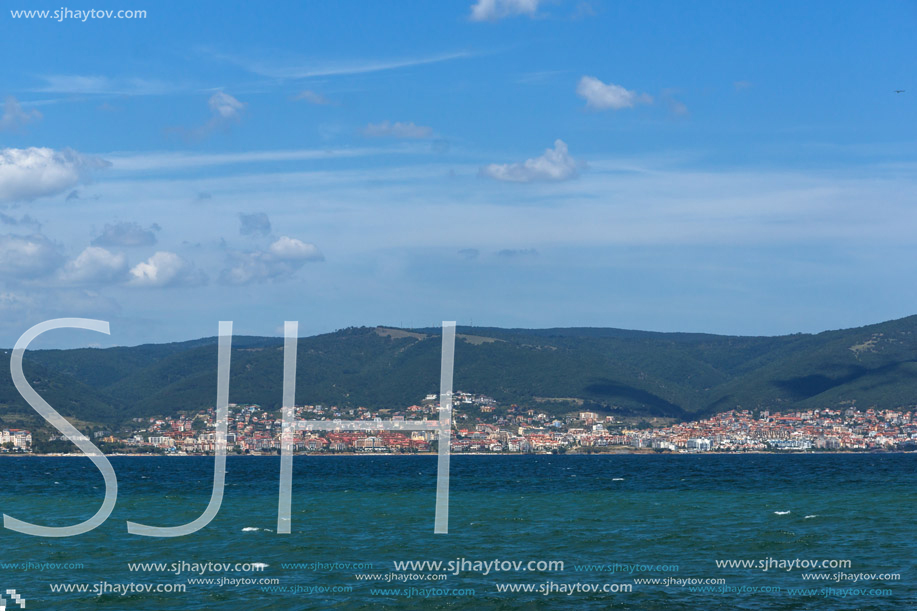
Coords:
pixel 249 529
pixel 814 515
pixel 781 513
pixel 617 479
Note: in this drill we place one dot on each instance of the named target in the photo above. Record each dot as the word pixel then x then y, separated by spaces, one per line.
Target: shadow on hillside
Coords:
pixel 657 406
pixel 804 387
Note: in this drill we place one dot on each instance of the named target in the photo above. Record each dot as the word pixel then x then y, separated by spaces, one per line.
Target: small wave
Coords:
pixel 617 479
pixel 249 529
pixel 814 515
pixel 259 565
pixel 781 513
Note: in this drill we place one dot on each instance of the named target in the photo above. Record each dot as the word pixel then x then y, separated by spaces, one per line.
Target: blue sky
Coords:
pixel 720 167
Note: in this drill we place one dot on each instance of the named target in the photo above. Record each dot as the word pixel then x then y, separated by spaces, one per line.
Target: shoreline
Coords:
pixel 390 454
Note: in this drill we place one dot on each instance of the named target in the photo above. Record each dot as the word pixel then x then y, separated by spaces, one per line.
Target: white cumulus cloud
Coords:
pixel 603 96
pixel 95 265
pixel 225 107
pixel 166 269
pixel 224 110
pixel 492 10
pixel 126 234
pixel 281 260
pixel 26 174
pixel 291 249
pixel 556 164
pixel 28 257
pixel 313 97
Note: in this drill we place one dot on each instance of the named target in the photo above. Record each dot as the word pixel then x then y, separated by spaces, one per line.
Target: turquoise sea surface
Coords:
pixel 616 523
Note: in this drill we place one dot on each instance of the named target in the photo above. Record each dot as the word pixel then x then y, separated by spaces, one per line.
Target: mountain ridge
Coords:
pixel 614 371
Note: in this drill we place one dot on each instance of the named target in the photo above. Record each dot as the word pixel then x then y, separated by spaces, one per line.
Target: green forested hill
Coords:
pixel 632 373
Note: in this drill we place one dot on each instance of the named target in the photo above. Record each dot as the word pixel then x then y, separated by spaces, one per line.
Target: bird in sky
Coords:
pixel 899 90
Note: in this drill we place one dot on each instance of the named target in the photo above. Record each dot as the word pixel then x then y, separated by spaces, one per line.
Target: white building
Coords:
pixel 699 444
pixel 20 438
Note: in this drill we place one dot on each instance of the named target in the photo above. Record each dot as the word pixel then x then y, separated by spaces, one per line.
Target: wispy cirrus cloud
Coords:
pixel 288 67
pixel 405 131
pixel 156 161
pixel 83 84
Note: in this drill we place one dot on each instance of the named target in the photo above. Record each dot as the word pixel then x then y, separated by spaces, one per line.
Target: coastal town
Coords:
pixel 481 426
